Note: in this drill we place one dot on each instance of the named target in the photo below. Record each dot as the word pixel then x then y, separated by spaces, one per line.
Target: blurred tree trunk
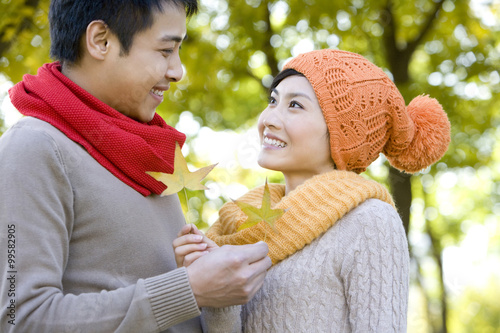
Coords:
pixel 400 183
pixel 436 254
pixel 398 60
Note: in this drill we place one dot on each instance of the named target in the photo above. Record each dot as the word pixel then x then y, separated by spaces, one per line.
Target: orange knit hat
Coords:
pixel 366 114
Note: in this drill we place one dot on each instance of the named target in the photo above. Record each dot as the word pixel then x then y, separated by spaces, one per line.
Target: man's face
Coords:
pixel 137 81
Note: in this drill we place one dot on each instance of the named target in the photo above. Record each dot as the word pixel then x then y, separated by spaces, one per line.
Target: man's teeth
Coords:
pixel 157 92
pixel 274 142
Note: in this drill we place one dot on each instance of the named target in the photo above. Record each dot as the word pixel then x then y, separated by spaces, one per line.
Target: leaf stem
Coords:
pixel 186 199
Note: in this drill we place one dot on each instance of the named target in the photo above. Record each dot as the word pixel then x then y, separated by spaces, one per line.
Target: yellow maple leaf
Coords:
pixel 182 177
pixel 264 213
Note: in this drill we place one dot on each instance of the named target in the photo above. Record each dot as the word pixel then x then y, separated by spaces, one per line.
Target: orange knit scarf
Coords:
pixel 311 209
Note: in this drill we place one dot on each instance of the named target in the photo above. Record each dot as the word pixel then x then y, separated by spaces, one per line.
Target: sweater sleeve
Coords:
pixel 36 205
pixel 375 268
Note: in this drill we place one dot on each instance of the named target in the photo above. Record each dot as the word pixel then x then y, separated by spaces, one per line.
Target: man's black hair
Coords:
pixel 125 18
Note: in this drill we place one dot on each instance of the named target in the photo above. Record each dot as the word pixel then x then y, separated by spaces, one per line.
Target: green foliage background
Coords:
pixel 448 49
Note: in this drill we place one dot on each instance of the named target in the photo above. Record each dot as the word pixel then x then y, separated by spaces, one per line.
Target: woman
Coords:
pixel 339 252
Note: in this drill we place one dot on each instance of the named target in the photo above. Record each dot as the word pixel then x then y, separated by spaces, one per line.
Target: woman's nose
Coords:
pixel 272 117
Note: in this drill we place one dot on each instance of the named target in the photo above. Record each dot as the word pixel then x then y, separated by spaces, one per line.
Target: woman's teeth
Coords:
pixel 276 143
pixel 157 92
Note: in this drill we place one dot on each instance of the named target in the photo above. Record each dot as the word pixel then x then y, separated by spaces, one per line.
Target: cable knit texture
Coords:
pixel 366 114
pixel 352 278
pixel 311 209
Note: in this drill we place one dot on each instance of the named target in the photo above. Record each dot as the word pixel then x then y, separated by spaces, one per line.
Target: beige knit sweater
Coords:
pixel 91 253
pixel 352 278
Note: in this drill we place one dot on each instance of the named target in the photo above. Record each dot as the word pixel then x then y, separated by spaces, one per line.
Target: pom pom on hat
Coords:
pixel 430 139
pixel 366 114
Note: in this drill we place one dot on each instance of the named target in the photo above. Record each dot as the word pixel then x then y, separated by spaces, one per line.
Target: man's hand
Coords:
pixel 229 275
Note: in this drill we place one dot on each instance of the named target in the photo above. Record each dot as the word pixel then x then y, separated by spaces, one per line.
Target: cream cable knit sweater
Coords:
pixel 353 278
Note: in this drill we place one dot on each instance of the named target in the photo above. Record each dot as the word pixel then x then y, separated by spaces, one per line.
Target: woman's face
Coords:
pixel 293 132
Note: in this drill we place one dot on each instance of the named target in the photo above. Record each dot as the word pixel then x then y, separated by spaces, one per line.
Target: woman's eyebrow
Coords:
pixel 293 94
pixel 298 94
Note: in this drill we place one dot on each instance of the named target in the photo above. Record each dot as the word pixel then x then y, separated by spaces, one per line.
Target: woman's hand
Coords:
pixel 190 245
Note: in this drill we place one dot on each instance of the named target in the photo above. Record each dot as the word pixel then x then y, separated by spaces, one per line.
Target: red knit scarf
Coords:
pixel 125 147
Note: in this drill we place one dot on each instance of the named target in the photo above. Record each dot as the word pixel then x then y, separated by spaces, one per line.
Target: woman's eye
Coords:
pixel 294 104
pixel 271 100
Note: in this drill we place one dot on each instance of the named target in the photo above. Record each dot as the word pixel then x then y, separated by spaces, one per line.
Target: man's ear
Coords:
pixel 97 39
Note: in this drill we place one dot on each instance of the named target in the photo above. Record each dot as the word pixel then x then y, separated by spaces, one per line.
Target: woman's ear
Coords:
pixel 97 39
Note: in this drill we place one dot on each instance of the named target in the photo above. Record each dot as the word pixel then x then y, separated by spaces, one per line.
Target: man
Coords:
pixel 86 238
